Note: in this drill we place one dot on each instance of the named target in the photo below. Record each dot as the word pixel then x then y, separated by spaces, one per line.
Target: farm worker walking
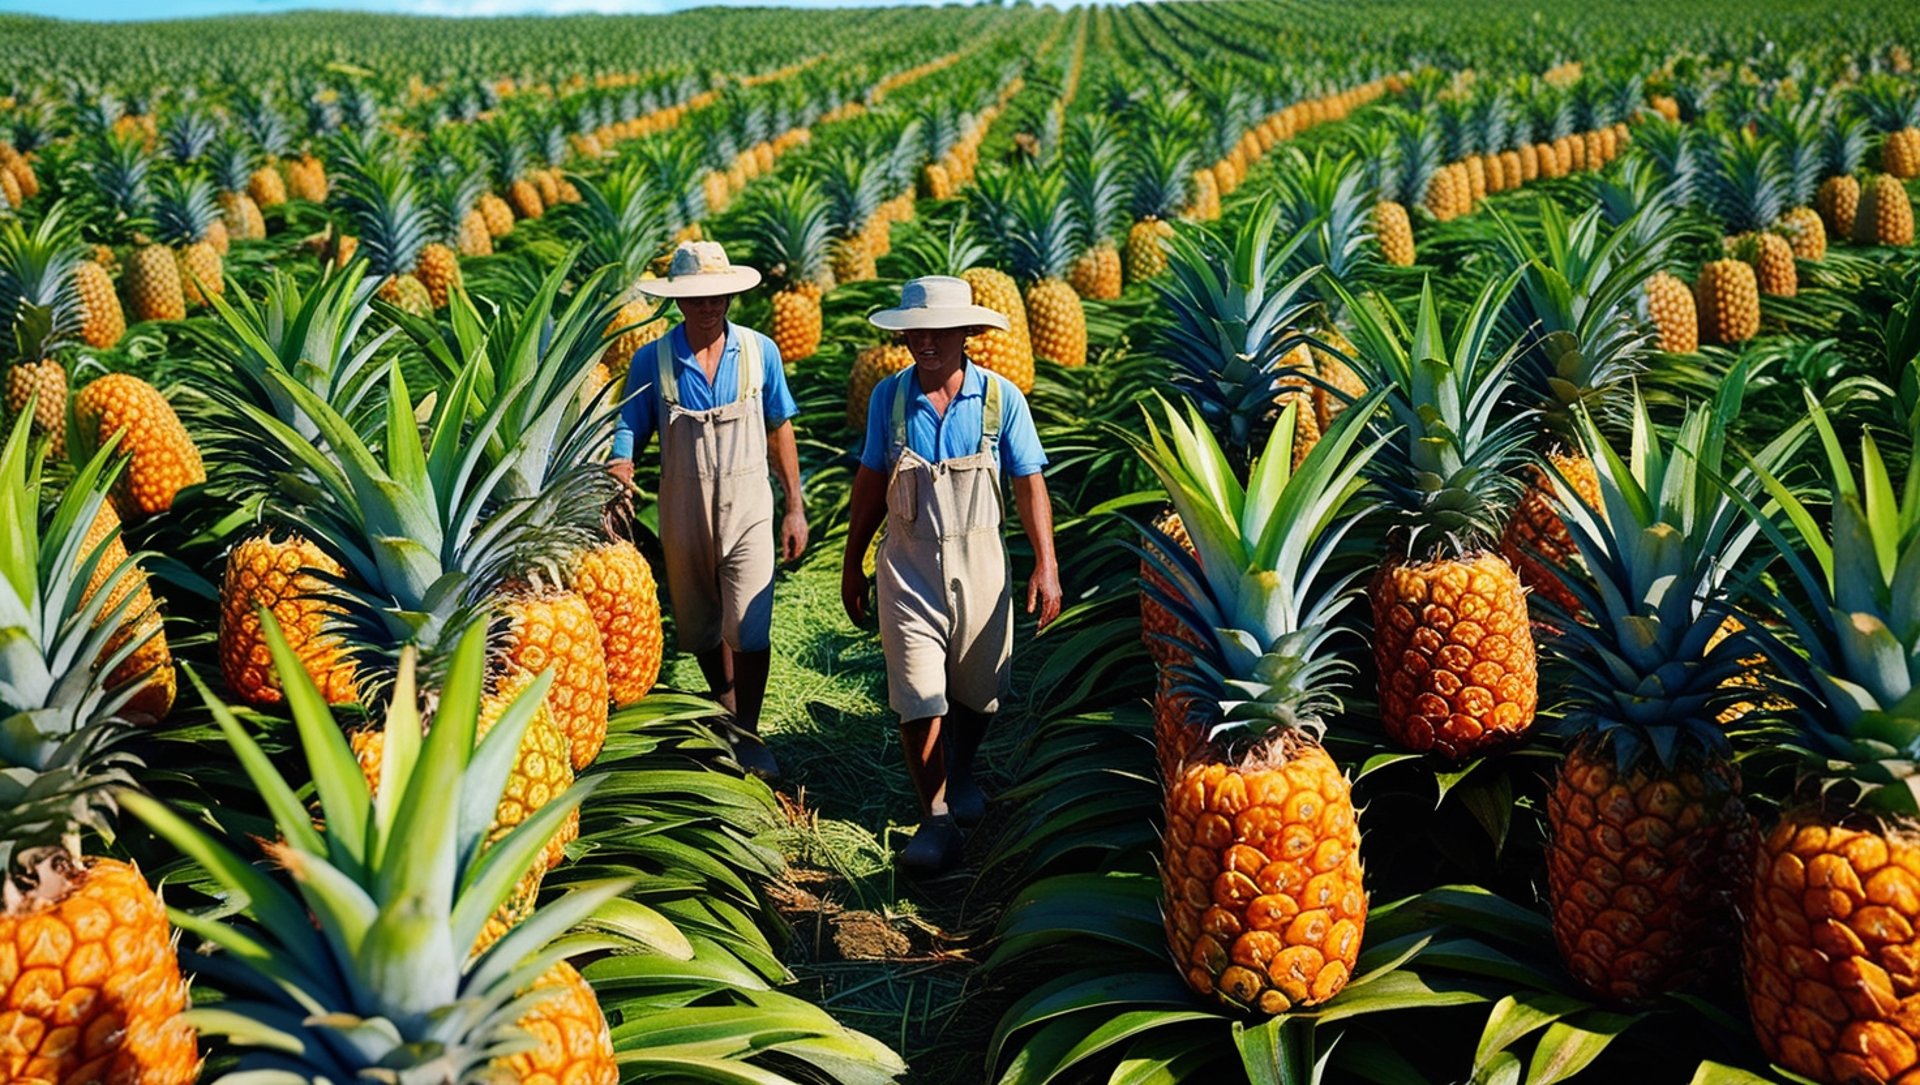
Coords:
pixel 717 395
pixel 941 435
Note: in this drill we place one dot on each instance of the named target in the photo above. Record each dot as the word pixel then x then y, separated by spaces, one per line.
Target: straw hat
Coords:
pixel 936 301
pixel 700 269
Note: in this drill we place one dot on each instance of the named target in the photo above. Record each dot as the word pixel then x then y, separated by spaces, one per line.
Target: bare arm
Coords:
pixel 784 457
pixel 866 509
pixel 1036 515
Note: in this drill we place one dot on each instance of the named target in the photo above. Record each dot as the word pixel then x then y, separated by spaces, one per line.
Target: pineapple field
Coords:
pixel 1481 449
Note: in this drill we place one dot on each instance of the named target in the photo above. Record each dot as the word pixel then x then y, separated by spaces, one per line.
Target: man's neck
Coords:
pixel 947 377
pixel 698 342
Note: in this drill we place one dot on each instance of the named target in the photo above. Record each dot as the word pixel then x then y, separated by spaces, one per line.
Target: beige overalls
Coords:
pixel 945 604
pixel 716 510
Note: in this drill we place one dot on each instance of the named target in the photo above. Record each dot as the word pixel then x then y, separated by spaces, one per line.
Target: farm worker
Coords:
pixel 717 395
pixel 941 435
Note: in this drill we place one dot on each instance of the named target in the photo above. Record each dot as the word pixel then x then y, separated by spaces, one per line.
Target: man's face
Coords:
pixel 705 312
pixel 937 348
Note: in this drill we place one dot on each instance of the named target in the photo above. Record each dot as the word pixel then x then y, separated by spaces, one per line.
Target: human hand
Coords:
pixel 793 535
pixel 853 591
pixel 1043 594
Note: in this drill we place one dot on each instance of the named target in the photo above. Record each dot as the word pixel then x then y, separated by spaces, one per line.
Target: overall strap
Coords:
pixel 900 395
pixel 990 418
pixel 663 360
pixel 751 361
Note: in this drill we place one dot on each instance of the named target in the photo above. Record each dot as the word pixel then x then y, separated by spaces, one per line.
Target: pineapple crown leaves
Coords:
pixel 1415 157
pixel 183 207
pixel 1447 474
pixel 1574 311
pixel 36 276
pixel 261 120
pixel 854 184
pixel 307 336
pixel 1263 594
pixel 503 145
pixel 118 170
pixel 1233 319
pixel 1322 200
pixel 188 133
pixel 1843 146
pixel 620 219
pixel 1676 150
pixel 1095 190
pixel 1043 234
pixel 230 162
pixel 1162 169
pixel 1855 676
pixel 528 366
pixel 1747 185
pixel 1636 199
pixel 354 957
pixel 53 631
pixel 1648 669
pixel 1796 129
pixel 424 528
pixel 1888 103
pixel 448 196
pixel 383 203
pixel 790 231
pixel 928 253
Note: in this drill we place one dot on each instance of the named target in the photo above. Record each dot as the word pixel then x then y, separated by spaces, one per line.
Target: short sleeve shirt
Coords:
pixel 934 437
pixel 640 417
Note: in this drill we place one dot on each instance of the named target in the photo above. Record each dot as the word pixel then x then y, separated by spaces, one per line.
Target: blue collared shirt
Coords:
pixel 934 437
pixel 640 417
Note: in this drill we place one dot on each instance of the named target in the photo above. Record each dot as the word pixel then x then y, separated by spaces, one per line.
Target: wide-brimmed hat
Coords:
pixel 936 301
pixel 700 269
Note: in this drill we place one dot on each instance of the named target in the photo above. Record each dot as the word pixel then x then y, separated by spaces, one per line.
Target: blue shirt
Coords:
pixel 934 437
pixel 640 417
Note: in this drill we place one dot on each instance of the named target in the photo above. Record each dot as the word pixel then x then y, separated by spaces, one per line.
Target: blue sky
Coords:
pixel 163 9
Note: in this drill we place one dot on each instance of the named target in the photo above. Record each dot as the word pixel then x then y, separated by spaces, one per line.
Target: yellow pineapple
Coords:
pixel 282 576
pixel 1885 215
pixel 1263 893
pixel 1451 636
pixel 871 366
pixel 162 458
pixel 1727 296
pixel 1670 307
pixel 1394 231
pixel 556 630
pixel 1007 352
pixel 619 589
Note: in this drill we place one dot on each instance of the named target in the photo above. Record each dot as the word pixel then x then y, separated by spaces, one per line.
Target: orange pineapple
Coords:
pixel 557 630
pixel 284 576
pixel 619 588
pixel 162 458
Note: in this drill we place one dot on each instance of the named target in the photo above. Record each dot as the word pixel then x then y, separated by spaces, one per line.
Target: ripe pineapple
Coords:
pixel 63 914
pixel 1843 147
pixel 284 577
pixel 152 284
pixel 1893 106
pixel 1007 352
pixel 1805 233
pixel 1727 295
pixel 556 631
pixel 1042 238
pixel 148 669
pixel 1161 166
pixel 1772 258
pixel 162 458
pixel 184 214
pixel 1885 215
pixel 428 883
pixel 1094 191
pixel 306 179
pixel 790 237
pixel 450 198
pixel 383 206
pixel 1536 540
pixel 1249 922
pixel 1830 922
pixel 1670 308
pixel 1650 838
pixel 41 310
pixel 619 588
pixel 874 364
pixel 231 165
pixel 1394 231
pixel 103 322
pixel 1451 637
